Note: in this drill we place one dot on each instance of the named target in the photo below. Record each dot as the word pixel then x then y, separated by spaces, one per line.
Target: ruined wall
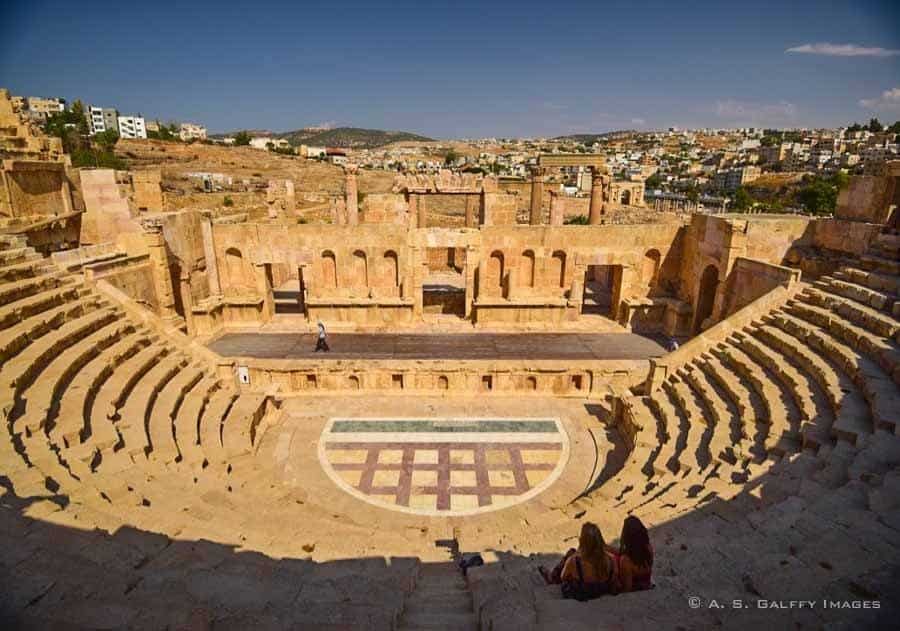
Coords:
pixel 384 208
pixel 866 198
pixel 107 213
pixel 851 237
pixel 147 190
pixel 750 279
pixel 36 191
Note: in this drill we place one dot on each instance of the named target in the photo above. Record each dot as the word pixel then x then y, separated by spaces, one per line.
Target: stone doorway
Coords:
pixel 706 297
pixel 289 295
pixel 444 286
pixel 602 287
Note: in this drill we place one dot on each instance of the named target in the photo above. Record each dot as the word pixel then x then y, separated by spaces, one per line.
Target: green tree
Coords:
pixel 450 157
pixel 242 138
pixel 742 199
pixel 577 220
pixel 106 140
pixel 819 195
pixel 895 128
pixel 875 125
pixel 654 181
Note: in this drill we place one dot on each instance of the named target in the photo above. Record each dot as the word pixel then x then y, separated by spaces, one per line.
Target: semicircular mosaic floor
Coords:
pixel 443 466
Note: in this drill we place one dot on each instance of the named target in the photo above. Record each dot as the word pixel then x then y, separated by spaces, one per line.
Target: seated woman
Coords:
pixel 634 557
pixel 585 573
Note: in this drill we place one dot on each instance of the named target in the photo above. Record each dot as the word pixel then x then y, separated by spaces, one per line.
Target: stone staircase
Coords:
pixel 440 600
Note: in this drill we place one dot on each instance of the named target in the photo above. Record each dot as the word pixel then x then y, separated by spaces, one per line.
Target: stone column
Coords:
pixel 595 217
pixel 576 290
pixel 352 198
pixel 209 254
pixel 187 300
pixel 482 292
pixel 159 265
pixel 471 266
pixel 264 290
pixel 413 205
pixel 557 214
pixel 421 213
pixel 512 283
pixel 472 203
pixel 536 216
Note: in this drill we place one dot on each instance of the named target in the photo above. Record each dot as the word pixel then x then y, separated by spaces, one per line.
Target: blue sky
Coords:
pixel 463 69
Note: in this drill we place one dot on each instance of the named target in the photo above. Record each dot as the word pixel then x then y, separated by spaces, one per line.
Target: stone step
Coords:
pixel 750 412
pixel 239 427
pixel 666 461
pixel 73 419
pixel 211 426
pixel 778 403
pixel 859 293
pixel 884 351
pixel 12 292
pixel 696 452
pixel 717 412
pixel 886 283
pixel 170 398
pixel 875 262
pixel 862 315
pixel 849 408
pixel 15 312
pixel 55 377
pixel 794 382
pixel 114 391
pixel 188 420
pixel 446 621
pixel 16 338
pixel 134 415
pixel 19 372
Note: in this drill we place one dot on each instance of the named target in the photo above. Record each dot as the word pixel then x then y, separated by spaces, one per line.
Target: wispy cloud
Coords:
pixel 843 50
pixel 888 100
pixel 743 112
pixel 639 122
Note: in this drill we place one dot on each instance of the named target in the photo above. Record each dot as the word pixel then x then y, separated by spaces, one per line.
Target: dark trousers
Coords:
pixel 321 345
pixel 555 575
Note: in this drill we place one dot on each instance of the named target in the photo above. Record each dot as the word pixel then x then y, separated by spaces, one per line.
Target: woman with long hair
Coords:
pixel 635 557
pixel 589 571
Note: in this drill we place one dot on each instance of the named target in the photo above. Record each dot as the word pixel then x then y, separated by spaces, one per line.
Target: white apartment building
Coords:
pixel 192 131
pixel 101 119
pixel 132 127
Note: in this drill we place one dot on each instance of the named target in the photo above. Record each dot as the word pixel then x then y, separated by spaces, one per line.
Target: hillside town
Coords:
pixel 683 170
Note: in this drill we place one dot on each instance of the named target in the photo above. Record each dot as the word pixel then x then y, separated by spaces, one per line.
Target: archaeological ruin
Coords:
pixel 176 455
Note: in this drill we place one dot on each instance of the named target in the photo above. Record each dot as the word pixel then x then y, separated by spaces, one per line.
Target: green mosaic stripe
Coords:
pixel 448 427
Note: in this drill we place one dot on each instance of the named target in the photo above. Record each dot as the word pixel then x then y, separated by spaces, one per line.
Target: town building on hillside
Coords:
pixel 264 142
pixel 40 108
pixel 101 119
pixel 132 127
pixel 192 131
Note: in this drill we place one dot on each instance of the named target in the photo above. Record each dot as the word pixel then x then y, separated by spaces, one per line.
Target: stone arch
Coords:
pixel 527 269
pixel 360 269
pixel 625 198
pixel 650 268
pixel 329 270
pixel 531 383
pixel 706 296
pixel 558 268
pixel 391 269
pixel 443 383
pixel 495 272
pixel 353 382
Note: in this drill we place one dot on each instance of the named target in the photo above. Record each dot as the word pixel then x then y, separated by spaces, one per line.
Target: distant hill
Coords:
pixel 348 137
pixel 588 139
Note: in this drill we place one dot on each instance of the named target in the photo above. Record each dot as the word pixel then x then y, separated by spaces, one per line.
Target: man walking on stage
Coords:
pixel 322 343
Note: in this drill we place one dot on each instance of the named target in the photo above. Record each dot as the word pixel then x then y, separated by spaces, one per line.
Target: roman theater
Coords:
pixel 176 455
